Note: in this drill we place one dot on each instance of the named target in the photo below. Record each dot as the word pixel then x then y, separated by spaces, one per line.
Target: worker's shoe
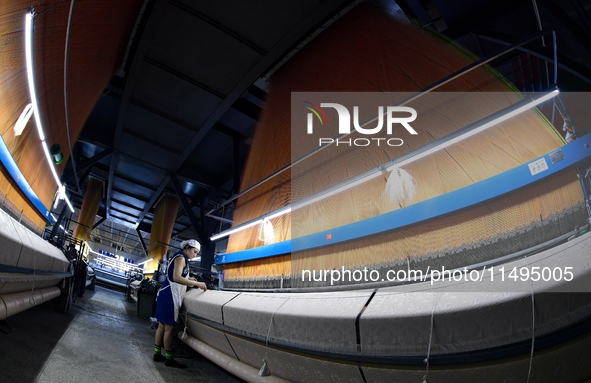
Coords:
pixel 159 358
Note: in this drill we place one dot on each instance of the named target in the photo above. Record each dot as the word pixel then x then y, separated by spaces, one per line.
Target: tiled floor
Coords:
pixel 101 340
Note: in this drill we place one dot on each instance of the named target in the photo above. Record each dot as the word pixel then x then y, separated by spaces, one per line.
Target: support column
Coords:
pixel 90 205
pixel 164 218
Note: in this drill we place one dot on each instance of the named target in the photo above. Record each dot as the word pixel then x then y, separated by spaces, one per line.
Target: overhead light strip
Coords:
pixel 245 225
pixel 146 261
pixel 441 144
pixel 31 80
pixel 30 77
pixel 236 229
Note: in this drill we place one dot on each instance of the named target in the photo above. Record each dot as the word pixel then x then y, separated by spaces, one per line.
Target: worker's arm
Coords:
pixel 179 265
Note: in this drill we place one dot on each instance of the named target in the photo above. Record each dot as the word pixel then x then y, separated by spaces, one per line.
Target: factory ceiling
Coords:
pixel 179 115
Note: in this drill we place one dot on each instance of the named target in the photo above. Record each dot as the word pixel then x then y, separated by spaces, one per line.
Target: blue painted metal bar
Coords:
pixel 479 192
pixel 256 253
pixel 17 176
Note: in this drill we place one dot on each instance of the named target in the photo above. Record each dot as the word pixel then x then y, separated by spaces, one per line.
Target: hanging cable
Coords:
pixel 32 300
pixel 264 371
pixel 539 19
pixel 426 360
pixel 533 333
pixel 185 335
pixel 66 57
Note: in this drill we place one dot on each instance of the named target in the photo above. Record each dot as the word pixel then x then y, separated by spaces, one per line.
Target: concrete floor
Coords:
pixel 100 340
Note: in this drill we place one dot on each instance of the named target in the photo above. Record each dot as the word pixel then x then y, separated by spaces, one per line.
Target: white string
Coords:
pixel 32 300
pixel 533 327
pixel 184 335
pixel 426 360
pixel 269 331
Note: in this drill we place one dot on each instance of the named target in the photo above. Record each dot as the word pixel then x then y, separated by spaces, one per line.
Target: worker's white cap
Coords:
pixel 191 243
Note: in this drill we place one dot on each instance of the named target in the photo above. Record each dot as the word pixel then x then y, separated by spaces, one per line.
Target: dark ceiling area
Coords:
pixel 179 115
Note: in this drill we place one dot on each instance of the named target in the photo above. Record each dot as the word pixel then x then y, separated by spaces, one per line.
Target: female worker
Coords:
pixel 168 301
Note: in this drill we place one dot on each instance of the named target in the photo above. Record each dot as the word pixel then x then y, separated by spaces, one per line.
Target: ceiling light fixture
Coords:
pixel 146 261
pixel 245 225
pixel 450 139
pixel 235 229
pixel 31 80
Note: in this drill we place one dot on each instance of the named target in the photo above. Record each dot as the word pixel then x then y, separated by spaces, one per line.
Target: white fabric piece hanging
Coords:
pixel 267 232
pixel 400 186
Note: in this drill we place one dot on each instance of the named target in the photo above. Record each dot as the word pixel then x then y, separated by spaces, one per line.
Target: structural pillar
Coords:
pixel 164 218
pixel 92 200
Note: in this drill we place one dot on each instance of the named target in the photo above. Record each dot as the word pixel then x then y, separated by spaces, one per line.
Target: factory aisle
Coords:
pixel 102 340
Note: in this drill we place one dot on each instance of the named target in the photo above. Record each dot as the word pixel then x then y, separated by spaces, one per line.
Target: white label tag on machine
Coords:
pixel 538 166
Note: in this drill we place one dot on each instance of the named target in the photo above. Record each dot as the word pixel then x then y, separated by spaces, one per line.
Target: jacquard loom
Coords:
pixel 31 270
pixel 22 249
pixel 483 191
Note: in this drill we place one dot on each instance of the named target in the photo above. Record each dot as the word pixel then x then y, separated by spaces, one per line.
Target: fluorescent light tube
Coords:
pixel 146 261
pixel 279 212
pixel 236 229
pixel 31 80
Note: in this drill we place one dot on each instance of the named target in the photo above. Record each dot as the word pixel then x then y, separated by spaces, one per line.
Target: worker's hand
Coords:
pixel 193 279
pixel 202 286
